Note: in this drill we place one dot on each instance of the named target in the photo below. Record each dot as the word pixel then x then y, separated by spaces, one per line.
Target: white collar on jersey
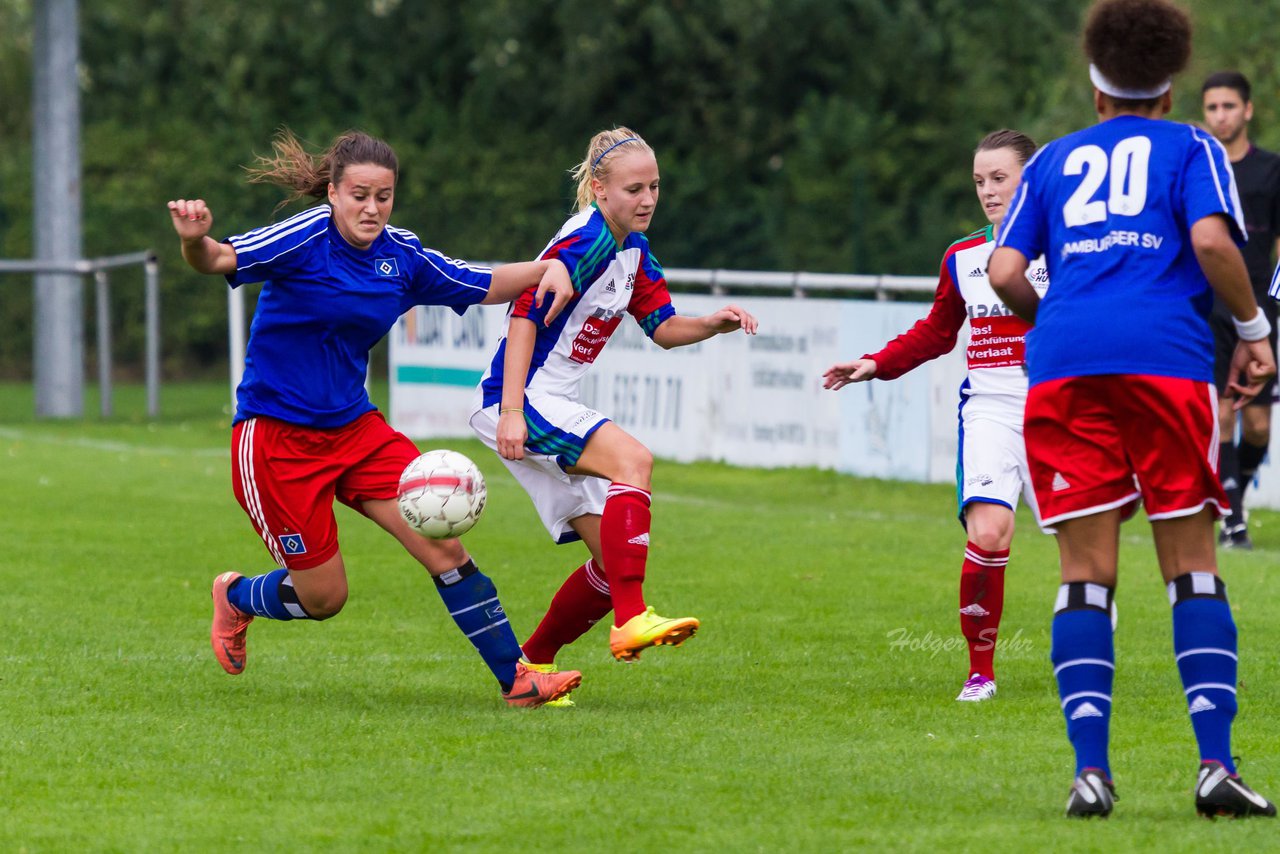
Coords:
pixel 1106 87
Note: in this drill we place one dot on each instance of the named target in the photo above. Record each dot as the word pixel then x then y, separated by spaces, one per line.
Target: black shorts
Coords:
pixel 1224 344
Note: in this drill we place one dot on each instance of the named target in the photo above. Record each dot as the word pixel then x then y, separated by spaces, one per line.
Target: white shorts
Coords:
pixel 993 457
pixel 558 432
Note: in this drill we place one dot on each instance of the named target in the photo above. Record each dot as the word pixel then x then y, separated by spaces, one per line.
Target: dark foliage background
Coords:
pixel 827 135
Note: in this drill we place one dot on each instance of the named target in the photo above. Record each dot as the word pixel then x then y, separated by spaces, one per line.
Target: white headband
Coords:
pixel 1106 87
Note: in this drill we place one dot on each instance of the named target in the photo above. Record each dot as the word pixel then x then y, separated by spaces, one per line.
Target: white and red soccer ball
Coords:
pixel 442 494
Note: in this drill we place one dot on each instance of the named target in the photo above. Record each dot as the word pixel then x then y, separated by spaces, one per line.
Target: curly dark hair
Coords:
pixel 1137 44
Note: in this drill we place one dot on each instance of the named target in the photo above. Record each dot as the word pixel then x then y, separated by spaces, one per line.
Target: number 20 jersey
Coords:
pixel 609 280
pixel 1111 208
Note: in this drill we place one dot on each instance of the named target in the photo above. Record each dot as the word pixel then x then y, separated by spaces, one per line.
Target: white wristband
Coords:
pixel 1253 330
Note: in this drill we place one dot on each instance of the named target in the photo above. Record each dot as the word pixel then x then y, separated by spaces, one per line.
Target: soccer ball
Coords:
pixel 442 494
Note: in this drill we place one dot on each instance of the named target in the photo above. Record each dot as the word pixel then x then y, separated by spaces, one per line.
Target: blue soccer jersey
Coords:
pixel 1111 209
pixel 324 305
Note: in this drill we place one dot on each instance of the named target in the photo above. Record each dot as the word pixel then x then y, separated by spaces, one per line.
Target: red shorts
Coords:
pixel 286 477
pixel 1100 442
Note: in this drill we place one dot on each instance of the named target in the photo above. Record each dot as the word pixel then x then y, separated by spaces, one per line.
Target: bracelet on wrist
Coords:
pixel 510 409
pixel 1253 330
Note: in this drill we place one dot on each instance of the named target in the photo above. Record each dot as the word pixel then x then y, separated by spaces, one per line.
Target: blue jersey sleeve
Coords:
pixel 441 280
pixel 1209 185
pixel 1025 226
pixel 275 251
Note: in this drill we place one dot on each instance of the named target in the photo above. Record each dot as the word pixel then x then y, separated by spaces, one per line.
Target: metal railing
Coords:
pixel 799 283
pixel 719 282
pixel 98 267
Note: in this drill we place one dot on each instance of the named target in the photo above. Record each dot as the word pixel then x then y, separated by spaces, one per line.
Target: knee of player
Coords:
pixel 637 466
pixel 989 536
pixel 321 605
pixel 1259 436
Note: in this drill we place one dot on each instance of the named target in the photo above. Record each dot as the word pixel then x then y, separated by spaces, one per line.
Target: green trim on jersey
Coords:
pixel 604 245
pixel 987 231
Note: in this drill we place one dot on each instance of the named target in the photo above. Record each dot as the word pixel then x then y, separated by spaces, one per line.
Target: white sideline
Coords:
pixel 17 435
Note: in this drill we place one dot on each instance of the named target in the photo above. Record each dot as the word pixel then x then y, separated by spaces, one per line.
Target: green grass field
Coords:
pixel 814 712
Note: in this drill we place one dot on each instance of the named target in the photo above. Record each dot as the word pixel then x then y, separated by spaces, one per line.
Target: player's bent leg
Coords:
pixel 624 524
pixel 272 595
pixel 581 602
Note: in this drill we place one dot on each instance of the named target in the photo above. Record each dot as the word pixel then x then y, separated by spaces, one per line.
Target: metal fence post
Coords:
pixel 236 339
pixel 102 296
pixel 152 268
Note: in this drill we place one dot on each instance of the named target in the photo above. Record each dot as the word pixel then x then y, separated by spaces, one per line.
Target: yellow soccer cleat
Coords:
pixel 535 686
pixel 648 629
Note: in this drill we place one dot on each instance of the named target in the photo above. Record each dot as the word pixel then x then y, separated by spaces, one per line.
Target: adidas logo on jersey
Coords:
pixel 977 273
pixel 1059 482
pixel 611 288
pixel 640 540
pixel 1201 704
pixel 1086 710
pixel 974 610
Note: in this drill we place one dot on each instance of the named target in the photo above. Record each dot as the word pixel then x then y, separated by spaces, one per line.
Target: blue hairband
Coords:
pixel 596 162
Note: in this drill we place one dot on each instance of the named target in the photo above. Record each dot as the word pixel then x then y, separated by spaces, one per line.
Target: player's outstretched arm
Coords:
pixel 513 430
pixel 549 276
pixel 842 374
pixel 1007 271
pixel 680 331
pixel 192 220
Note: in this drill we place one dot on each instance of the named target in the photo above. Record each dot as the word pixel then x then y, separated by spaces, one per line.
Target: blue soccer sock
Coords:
pixel 1083 658
pixel 1204 641
pixel 473 603
pixel 270 595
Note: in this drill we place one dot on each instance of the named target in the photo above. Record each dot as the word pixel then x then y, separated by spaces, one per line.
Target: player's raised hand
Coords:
pixel 555 281
pixel 1252 364
pixel 191 218
pixel 731 318
pixel 840 375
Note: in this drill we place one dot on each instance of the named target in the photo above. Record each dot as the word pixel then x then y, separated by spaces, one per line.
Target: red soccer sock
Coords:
pixel 624 540
pixel 981 602
pixel 578 605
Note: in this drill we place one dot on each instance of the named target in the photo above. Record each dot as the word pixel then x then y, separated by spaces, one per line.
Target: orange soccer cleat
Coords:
pixel 229 627
pixel 540 684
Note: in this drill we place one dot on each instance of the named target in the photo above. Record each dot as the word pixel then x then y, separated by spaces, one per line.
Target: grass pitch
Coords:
pixel 813 712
